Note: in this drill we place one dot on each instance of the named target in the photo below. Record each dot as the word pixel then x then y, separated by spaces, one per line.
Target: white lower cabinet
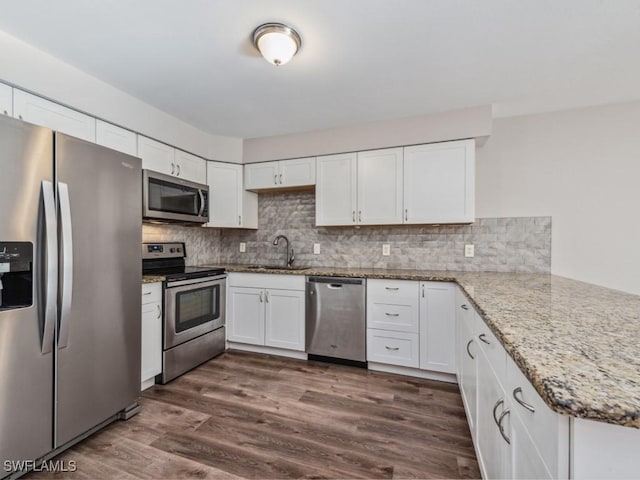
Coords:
pixel 151 329
pixel 411 324
pixel 393 348
pixel 258 314
pixel 515 433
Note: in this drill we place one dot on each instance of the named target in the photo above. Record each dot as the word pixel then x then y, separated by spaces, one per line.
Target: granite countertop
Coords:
pixel 577 343
pixel 153 278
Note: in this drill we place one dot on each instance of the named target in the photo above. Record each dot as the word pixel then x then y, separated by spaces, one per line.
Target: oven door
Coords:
pixel 193 308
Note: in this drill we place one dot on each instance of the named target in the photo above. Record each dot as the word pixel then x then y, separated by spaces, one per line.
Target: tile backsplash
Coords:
pixel 202 244
pixel 520 244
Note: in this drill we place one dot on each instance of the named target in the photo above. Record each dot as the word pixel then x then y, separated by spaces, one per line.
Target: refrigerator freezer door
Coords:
pixel 26 331
pixel 100 212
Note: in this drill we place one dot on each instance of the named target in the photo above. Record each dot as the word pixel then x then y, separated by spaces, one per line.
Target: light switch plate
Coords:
pixel 243 247
pixel 386 250
pixel 469 251
pixel 316 249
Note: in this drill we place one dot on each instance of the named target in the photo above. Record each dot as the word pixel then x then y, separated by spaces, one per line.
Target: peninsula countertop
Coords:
pixel 577 343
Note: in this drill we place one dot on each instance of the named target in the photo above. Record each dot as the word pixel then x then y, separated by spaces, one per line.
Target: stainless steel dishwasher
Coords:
pixel 336 322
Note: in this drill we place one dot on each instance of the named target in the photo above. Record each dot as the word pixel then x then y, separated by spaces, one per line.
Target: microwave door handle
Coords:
pixel 51 241
pixel 67 263
pixel 201 203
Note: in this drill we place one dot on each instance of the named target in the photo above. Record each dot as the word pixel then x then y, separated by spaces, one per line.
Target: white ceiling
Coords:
pixel 361 60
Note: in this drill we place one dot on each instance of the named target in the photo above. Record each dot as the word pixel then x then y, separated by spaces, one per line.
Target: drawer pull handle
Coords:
pixel 147 293
pixel 392 288
pixel 391 314
pixel 464 307
pixel 334 346
pixel 522 402
pixel 391 348
pixel 495 407
pixel 483 339
pixel 468 352
pixel 501 428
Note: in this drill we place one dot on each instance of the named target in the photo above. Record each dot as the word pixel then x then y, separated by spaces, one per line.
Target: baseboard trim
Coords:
pixel 281 352
pixel 413 372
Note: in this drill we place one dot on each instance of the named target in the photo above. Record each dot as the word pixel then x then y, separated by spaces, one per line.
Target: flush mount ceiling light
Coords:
pixel 277 43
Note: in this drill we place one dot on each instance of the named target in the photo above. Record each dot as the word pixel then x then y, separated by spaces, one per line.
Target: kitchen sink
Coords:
pixel 275 267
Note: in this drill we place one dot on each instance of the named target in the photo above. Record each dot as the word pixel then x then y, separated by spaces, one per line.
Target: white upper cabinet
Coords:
pixel 42 112
pixel 439 182
pixel 230 205
pixel 116 138
pixel 297 172
pixel 156 156
pixel 380 187
pixel 191 167
pixel 6 100
pixel 165 159
pixel 336 189
pixel 261 175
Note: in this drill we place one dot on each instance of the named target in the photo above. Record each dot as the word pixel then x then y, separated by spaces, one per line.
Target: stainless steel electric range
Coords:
pixel 194 308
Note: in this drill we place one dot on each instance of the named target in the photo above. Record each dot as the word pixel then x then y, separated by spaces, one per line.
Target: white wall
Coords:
pixel 34 70
pixel 582 167
pixel 453 125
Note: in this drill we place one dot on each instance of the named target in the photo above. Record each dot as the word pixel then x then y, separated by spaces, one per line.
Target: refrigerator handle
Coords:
pixel 51 253
pixel 67 263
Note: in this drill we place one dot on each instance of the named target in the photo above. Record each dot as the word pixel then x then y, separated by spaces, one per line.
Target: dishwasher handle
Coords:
pixel 336 282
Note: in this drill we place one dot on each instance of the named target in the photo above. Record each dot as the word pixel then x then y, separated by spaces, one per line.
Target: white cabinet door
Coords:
pixel 156 156
pixel 116 138
pixel 229 204
pixel 336 189
pixel 42 112
pixel 6 100
pixel 439 181
pixel 494 454
pixel 525 460
pixel 284 319
pixel 190 167
pixel 297 172
pixel 261 175
pixel 437 327
pixel 151 357
pixel 380 187
pixel 245 315
pixel 469 371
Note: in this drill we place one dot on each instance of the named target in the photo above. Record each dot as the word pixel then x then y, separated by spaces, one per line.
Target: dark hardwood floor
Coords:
pixel 246 415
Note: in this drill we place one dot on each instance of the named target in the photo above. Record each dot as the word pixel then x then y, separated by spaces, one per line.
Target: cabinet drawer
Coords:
pixel 392 316
pixel 403 292
pixel 151 293
pixel 491 347
pixel 542 424
pixel 394 348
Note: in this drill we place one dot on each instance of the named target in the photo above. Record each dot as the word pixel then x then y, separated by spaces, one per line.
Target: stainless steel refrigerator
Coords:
pixel 70 268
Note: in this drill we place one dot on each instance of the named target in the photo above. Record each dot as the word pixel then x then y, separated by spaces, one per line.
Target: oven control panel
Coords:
pixel 163 250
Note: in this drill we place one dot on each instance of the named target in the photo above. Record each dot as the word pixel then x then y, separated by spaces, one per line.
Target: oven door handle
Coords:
pixel 203 281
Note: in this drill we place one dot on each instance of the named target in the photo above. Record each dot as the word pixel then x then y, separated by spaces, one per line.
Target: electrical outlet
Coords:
pixel 316 249
pixel 469 251
pixel 243 247
pixel 386 250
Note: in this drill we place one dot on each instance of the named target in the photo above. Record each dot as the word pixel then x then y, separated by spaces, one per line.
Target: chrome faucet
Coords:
pixel 289 257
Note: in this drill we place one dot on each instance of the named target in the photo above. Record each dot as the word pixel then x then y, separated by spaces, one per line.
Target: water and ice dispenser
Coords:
pixel 16 275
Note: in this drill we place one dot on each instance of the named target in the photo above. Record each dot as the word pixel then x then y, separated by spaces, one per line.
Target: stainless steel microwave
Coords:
pixel 170 199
